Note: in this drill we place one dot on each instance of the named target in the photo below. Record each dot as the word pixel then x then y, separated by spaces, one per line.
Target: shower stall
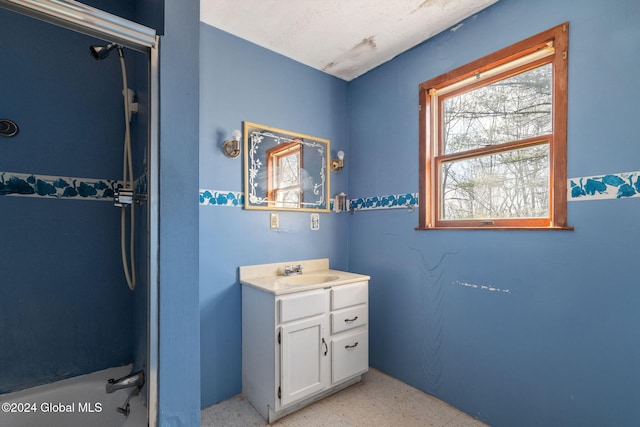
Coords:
pixel 79 215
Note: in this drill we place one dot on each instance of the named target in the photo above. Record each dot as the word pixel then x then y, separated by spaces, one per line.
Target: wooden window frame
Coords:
pixel 430 139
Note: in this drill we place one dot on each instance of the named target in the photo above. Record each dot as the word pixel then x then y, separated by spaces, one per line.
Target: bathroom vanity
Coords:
pixel 304 336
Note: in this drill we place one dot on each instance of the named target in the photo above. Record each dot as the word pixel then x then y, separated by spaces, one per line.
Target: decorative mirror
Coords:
pixel 285 170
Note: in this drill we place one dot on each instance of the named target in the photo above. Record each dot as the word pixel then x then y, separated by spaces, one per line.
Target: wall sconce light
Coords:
pixel 231 147
pixel 338 164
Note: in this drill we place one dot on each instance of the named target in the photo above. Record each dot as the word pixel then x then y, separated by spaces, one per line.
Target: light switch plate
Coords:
pixel 274 222
pixel 315 221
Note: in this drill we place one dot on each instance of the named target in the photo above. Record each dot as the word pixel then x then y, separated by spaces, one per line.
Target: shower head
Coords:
pixel 101 52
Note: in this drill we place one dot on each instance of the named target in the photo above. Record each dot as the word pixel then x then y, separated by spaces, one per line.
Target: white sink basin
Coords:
pixel 306 279
pixel 316 274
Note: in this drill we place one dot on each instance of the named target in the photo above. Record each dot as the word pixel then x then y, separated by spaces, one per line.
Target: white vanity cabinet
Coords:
pixel 298 347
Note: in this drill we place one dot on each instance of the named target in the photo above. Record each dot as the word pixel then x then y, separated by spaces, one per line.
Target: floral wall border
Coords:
pixel 64 187
pixel 613 186
pixel 394 201
pixel 221 198
pixel 60 187
pixel 598 187
pixel 236 199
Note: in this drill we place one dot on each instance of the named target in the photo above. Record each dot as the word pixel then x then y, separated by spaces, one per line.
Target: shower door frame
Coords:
pixel 94 22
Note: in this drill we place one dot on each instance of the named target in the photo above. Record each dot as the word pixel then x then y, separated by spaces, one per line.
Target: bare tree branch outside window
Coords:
pixel 507 184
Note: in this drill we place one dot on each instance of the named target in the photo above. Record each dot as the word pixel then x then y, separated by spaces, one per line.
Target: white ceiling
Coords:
pixel 344 38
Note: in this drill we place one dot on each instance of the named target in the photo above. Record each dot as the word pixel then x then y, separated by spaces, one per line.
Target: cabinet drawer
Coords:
pixel 302 304
pixel 349 356
pixel 348 295
pixel 349 318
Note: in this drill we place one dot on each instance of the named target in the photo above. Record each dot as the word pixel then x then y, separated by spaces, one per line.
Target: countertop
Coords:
pixel 277 286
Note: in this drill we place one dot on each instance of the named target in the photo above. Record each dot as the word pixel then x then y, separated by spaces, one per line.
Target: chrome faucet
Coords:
pixel 134 379
pixel 290 270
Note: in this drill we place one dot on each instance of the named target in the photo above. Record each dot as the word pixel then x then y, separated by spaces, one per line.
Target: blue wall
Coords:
pixel 513 327
pixel 243 82
pixel 179 347
pixel 65 308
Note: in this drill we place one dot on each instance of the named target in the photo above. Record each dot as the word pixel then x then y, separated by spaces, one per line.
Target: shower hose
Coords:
pixel 129 266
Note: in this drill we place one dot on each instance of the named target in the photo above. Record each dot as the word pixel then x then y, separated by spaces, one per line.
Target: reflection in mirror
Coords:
pixel 284 163
pixel 285 170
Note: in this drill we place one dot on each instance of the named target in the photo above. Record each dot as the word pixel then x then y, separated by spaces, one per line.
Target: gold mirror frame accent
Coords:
pixel 285 170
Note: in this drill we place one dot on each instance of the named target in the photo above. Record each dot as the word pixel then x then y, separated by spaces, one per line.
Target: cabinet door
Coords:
pixel 304 359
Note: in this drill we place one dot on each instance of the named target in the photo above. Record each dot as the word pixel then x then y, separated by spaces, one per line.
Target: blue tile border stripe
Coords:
pixel 613 186
pixel 221 198
pixel 396 201
pixel 48 186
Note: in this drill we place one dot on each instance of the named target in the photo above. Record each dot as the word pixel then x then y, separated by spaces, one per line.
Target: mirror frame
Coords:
pixel 286 137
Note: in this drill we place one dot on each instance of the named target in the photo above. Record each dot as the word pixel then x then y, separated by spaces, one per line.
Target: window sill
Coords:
pixel 488 227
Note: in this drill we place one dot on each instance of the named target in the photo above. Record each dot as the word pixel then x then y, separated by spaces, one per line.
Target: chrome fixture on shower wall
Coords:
pixel 134 379
pixel 8 128
pixel 101 52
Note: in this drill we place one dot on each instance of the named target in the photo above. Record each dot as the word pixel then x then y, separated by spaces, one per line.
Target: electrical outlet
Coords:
pixel 315 221
pixel 274 221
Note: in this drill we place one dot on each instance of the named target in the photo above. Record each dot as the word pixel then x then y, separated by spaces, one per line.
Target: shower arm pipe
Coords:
pixel 88 20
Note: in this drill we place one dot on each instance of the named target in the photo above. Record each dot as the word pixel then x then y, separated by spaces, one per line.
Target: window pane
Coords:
pixel 509 184
pixel 508 110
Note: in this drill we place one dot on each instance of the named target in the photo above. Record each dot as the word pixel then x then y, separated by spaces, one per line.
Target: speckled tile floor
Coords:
pixel 377 401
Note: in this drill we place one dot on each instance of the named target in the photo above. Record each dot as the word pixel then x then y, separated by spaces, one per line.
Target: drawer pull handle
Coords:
pixel 351 320
pixel 351 346
pixel 326 347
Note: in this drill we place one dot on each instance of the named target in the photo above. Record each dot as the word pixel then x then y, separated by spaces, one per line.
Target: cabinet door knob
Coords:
pixel 326 347
pixel 351 320
pixel 352 346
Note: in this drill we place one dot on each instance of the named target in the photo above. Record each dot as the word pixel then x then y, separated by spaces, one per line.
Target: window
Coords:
pixel 493 139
